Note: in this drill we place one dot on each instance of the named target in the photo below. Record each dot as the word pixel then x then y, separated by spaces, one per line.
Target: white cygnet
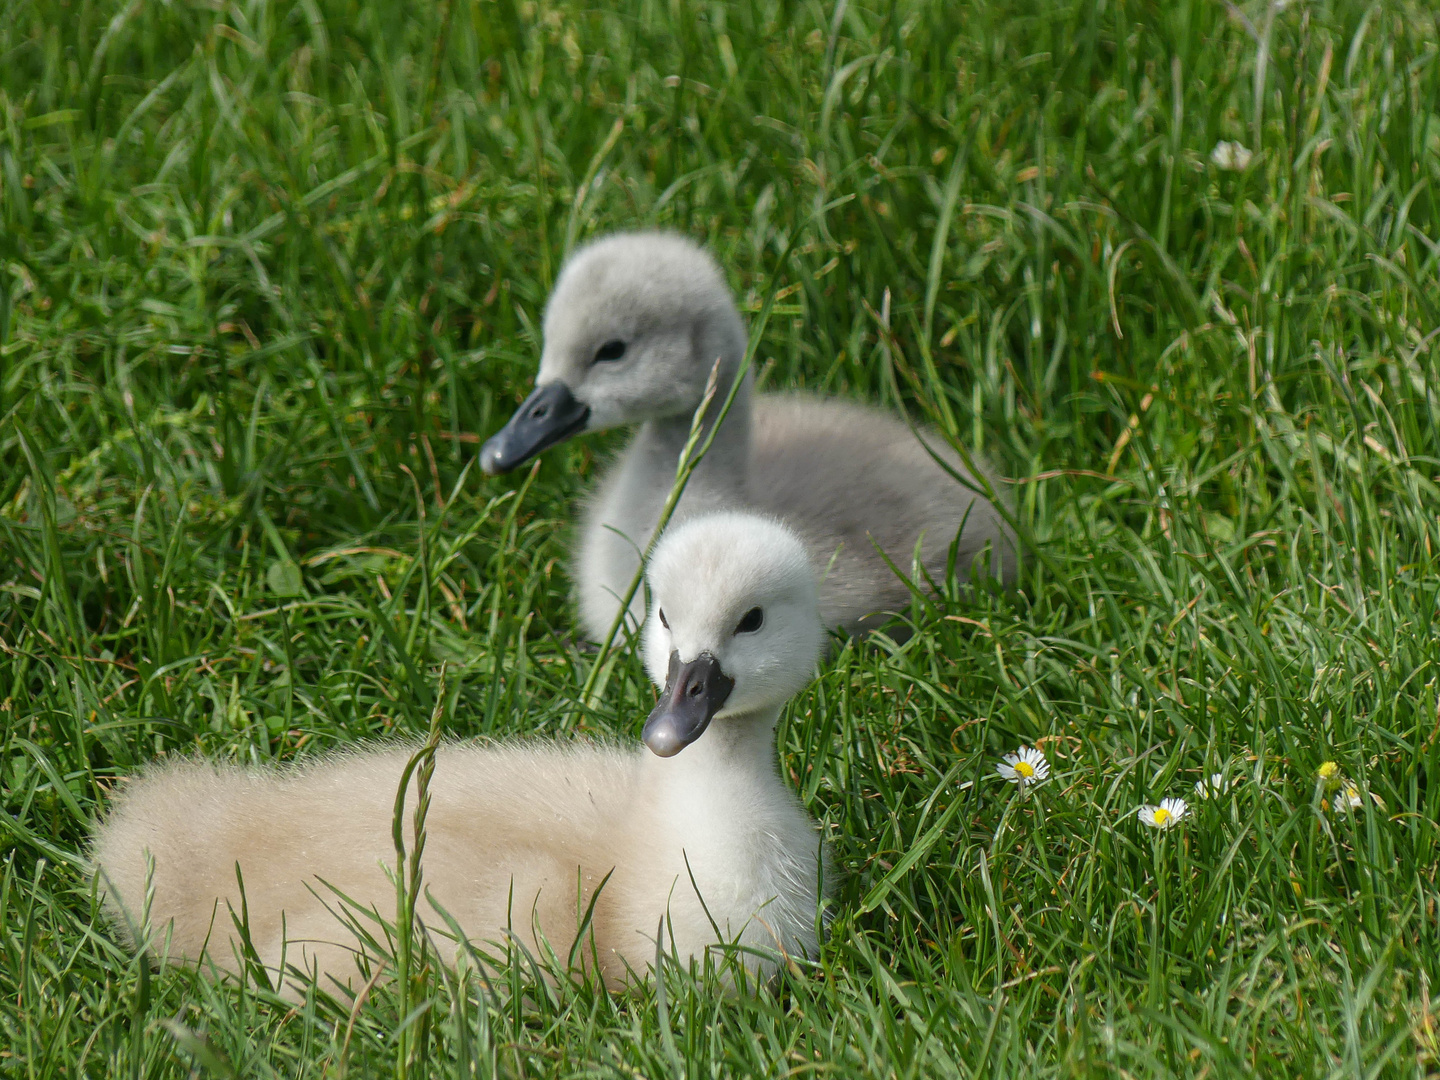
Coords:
pixel 699 830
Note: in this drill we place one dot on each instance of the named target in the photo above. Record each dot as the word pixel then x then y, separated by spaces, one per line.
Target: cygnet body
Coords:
pixel 633 328
pixel 519 836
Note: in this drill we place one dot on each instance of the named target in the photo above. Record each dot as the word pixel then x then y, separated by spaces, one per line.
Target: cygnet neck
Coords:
pixel 724 469
pixel 730 745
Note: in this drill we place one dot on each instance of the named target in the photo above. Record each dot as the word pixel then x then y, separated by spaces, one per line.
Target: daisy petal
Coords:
pixel 1026 766
pixel 1168 814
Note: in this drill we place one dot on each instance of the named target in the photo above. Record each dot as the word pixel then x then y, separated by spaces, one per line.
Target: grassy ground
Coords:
pixel 269 270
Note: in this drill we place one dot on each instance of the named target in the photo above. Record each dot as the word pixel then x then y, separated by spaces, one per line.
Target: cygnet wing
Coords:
pixel 847 477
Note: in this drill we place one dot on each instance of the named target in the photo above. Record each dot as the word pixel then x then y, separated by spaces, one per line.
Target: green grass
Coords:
pixel 268 270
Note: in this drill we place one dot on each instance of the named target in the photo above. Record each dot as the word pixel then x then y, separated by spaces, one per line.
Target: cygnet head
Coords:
pixel 633 327
pixel 734 627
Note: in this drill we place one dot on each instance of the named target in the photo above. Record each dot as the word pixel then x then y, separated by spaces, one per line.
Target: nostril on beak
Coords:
pixel 696 689
pixel 539 412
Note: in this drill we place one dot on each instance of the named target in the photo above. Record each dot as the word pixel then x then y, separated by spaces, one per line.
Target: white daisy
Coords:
pixel 1348 798
pixel 1214 784
pixel 1168 813
pixel 1230 156
pixel 1026 767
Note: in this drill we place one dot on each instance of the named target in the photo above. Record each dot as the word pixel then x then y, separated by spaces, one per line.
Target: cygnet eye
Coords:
pixel 753 620
pixel 661 612
pixel 611 350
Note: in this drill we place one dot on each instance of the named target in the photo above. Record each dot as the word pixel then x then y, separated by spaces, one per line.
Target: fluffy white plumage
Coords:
pixel 519 835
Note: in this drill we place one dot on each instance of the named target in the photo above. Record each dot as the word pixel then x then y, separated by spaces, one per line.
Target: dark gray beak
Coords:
pixel 549 415
pixel 693 694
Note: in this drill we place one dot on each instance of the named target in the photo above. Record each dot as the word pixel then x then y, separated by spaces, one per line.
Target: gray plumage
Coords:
pixel 844 476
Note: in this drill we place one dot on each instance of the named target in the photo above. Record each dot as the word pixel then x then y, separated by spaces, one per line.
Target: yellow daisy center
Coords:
pixel 1025 769
pixel 1161 815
